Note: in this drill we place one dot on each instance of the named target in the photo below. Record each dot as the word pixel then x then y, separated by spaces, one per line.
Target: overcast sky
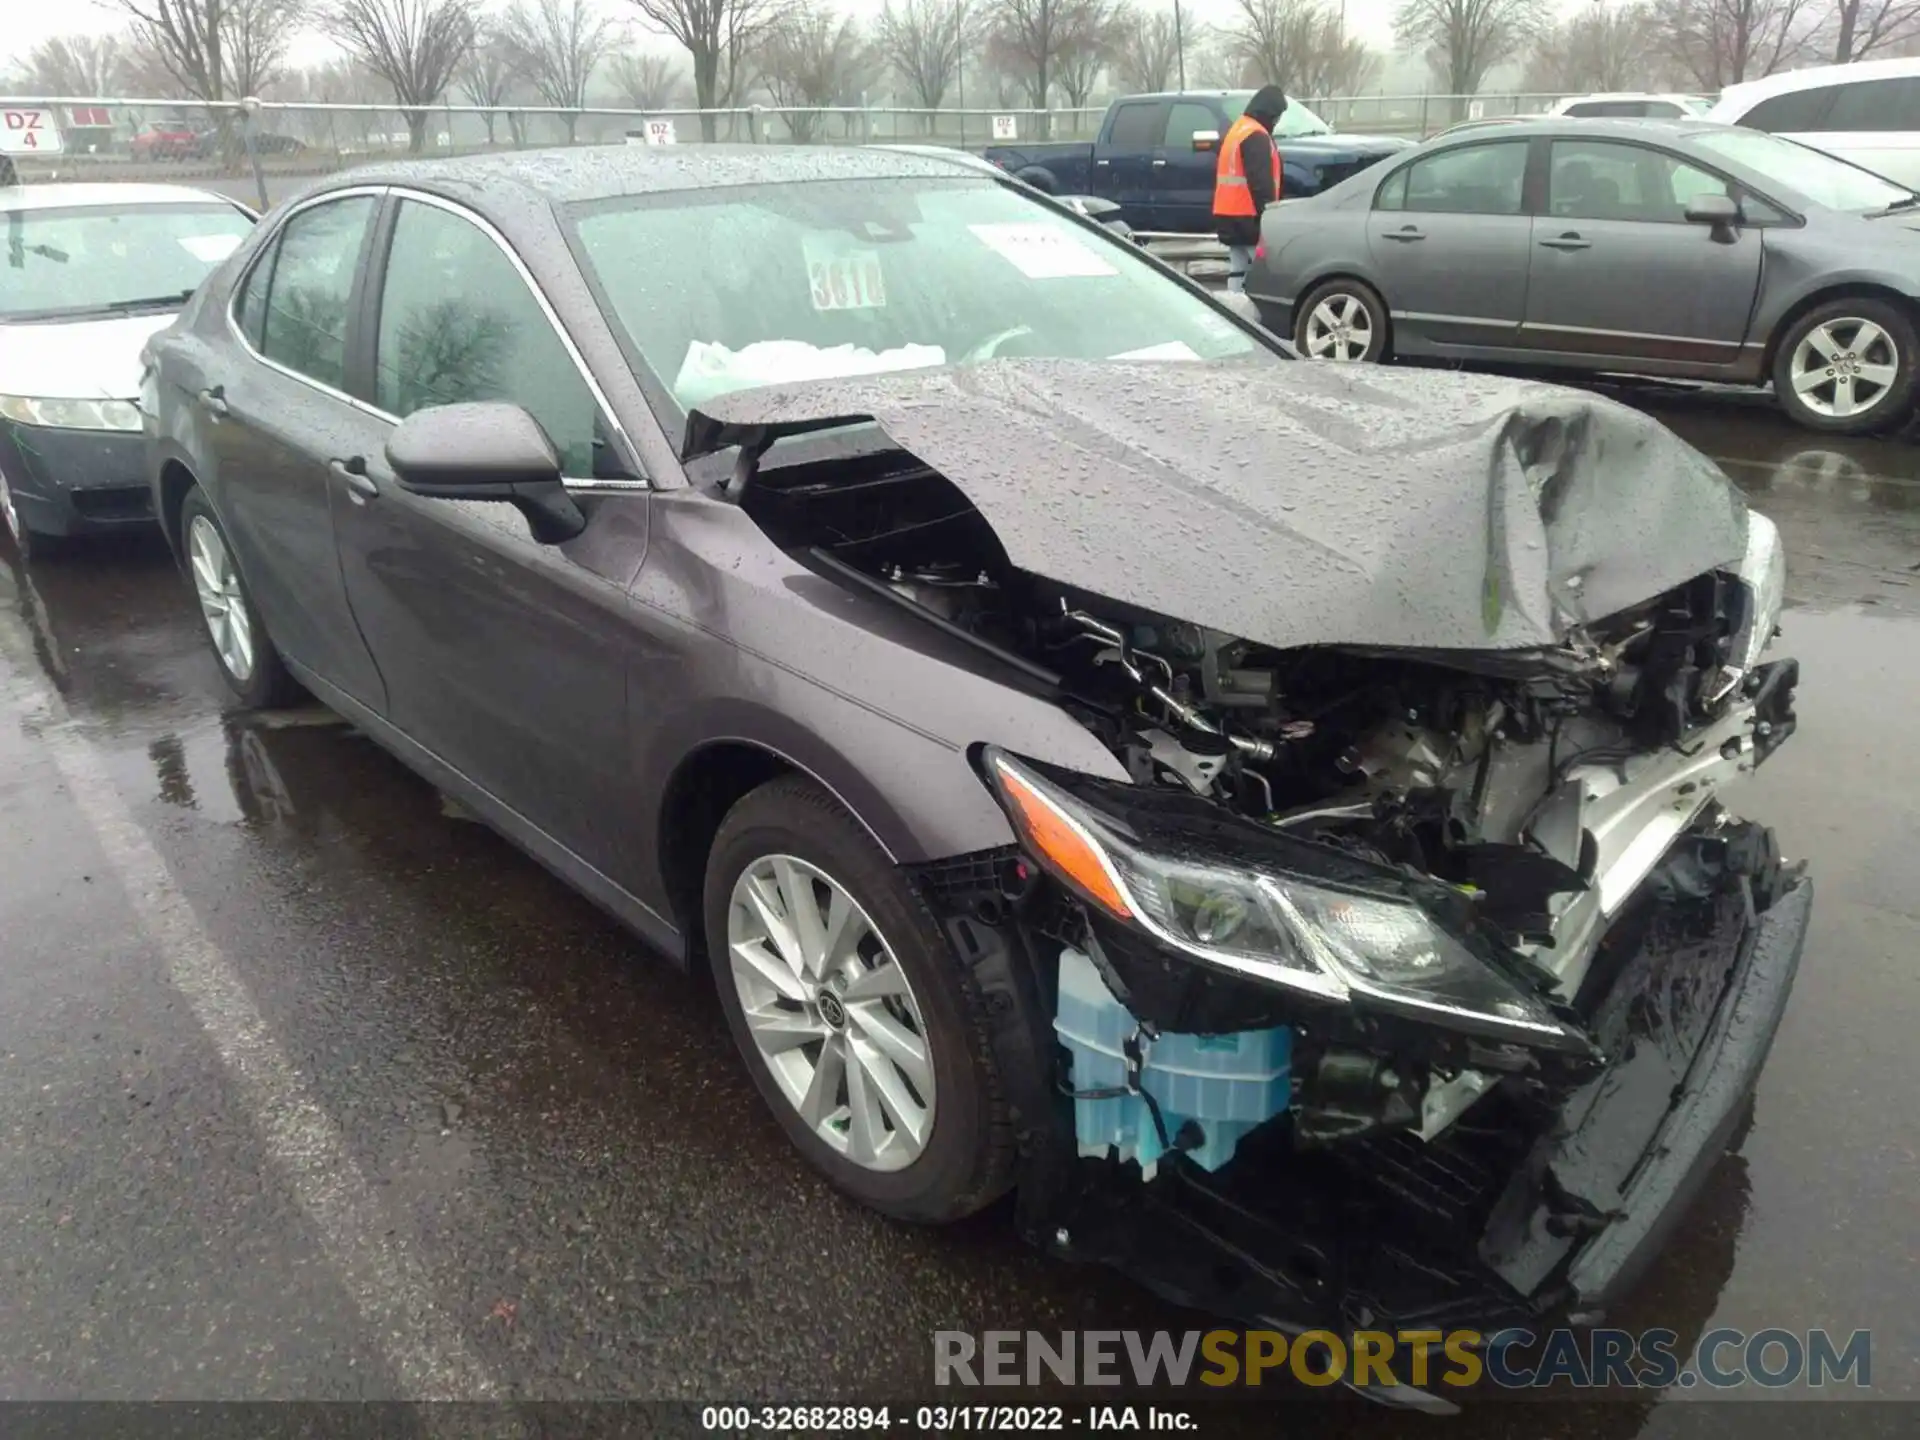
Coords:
pixel 29 22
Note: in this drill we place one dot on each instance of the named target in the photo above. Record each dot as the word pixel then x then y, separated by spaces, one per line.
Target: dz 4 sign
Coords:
pixel 29 132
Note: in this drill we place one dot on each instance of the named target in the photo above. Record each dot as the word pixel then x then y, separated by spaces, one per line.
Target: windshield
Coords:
pixel 1813 173
pixel 821 279
pixel 1296 120
pixel 99 259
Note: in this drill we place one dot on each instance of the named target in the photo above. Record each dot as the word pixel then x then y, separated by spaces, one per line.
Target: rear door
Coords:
pixel 277 409
pixel 504 657
pixel 1182 178
pixel 1123 160
pixel 1449 236
pixel 1617 269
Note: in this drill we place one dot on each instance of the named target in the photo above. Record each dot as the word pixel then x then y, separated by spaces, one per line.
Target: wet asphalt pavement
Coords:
pixel 312 1089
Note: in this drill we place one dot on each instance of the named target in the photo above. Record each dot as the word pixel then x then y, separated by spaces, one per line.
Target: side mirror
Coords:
pixel 1722 212
pixel 488 451
pixel 1204 140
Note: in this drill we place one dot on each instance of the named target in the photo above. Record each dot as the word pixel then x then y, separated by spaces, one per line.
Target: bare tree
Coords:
pixel 413 45
pixel 184 39
pixel 1088 50
pixel 1464 39
pixel 1032 39
pixel 85 66
pixel 1865 27
pixel 1601 47
pixel 1303 46
pixel 719 37
pixel 645 81
pixel 486 76
pixel 926 41
pixel 1146 49
pixel 556 44
pixel 1722 42
pixel 813 56
pixel 257 33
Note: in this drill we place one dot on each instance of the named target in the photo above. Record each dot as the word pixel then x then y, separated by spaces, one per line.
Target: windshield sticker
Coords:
pixel 712 369
pixel 1169 350
pixel 841 278
pixel 209 249
pixel 1043 252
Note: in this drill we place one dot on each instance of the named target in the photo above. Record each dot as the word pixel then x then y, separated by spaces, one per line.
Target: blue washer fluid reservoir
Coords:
pixel 1226 1084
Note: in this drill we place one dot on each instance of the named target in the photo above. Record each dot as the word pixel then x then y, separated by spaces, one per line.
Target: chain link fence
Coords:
pixel 261 150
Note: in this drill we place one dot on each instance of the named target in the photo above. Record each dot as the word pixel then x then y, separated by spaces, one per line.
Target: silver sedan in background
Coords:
pixel 1650 247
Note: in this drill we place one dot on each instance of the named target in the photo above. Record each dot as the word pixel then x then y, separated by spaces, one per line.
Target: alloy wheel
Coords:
pixel 1844 368
pixel 831 1012
pixel 217 584
pixel 1339 328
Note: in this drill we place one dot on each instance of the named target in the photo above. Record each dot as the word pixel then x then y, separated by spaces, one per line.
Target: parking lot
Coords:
pixel 315 1089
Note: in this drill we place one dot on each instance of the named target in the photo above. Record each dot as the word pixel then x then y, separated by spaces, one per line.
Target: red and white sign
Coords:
pixel 1006 127
pixel 660 132
pixel 29 132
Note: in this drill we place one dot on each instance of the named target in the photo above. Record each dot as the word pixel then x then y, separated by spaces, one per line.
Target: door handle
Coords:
pixel 1569 241
pixel 360 486
pixel 1159 164
pixel 214 402
pixel 1407 232
pixel 1103 162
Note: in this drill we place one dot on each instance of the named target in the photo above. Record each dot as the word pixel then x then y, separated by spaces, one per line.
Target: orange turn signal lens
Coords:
pixel 1058 838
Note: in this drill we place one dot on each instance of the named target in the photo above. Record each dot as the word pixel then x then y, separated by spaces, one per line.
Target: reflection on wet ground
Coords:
pixel 555 1125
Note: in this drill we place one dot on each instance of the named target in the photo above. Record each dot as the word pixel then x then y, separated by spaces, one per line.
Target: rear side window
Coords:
pixel 1136 127
pixel 1875 105
pixel 1791 114
pixel 458 323
pixel 1470 180
pixel 315 257
pixel 250 307
pixel 1184 121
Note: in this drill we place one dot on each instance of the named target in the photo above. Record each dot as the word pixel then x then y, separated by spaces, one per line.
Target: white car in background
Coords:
pixel 87 274
pixel 1867 112
pixel 1632 105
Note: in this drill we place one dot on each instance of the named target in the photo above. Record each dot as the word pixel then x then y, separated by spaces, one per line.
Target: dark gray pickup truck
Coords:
pixel 1155 156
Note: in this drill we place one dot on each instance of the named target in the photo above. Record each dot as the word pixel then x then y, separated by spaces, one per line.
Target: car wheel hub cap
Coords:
pixel 1339 328
pixel 217 585
pixel 831 1012
pixel 1844 368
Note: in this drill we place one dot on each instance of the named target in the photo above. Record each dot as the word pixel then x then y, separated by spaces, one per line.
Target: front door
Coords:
pixel 1183 177
pixel 1449 238
pixel 275 412
pixel 506 658
pixel 1617 269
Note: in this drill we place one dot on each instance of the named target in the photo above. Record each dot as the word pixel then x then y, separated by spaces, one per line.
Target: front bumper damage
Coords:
pixel 1542 1203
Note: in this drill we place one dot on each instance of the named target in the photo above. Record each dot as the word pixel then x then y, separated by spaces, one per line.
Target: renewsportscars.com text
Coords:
pixel 1508 1359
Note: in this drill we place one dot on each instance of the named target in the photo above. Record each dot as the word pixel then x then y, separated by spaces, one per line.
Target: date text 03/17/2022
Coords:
pixel 826 1419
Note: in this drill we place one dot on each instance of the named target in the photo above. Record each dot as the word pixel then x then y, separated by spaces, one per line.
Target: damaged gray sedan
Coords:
pixel 1266 815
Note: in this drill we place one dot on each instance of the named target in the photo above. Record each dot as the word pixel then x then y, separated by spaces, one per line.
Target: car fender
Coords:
pixel 1789 282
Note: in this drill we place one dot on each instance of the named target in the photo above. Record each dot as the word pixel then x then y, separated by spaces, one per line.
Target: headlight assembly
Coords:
pixel 71 414
pixel 1282 928
pixel 1763 575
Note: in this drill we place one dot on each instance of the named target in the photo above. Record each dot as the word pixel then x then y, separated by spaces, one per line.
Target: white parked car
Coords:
pixel 87 273
pixel 1631 105
pixel 1867 112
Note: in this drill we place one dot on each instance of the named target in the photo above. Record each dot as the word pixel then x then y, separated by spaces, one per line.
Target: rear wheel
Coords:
pixel 860 1028
pixel 1341 320
pixel 248 661
pixel 1847 367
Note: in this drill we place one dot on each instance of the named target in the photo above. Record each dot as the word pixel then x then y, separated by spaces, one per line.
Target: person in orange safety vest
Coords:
pixel 1246 179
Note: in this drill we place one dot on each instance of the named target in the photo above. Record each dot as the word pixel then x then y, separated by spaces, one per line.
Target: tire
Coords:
pixel 963 1156
pixel 248 660
pixel 1332 317
pixel 1872 348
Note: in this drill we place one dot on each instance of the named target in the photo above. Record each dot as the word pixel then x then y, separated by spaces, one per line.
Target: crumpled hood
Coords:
pixel 1298 503
pixel 77 359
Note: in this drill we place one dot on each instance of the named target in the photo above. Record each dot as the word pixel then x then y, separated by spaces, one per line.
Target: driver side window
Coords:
pixel 458 323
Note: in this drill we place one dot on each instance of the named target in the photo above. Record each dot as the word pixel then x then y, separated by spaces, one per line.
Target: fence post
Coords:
pixel 249 108
pixel 756 131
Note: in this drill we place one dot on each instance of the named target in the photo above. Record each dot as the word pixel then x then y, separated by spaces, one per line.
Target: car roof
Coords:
pixel 74 195
pixel 1587 127
pixel 1738 98
pixel 1672 95
pixel 604 172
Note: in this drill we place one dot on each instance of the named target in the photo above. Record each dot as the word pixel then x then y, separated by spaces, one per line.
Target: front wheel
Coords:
pixel 248 661
pixel 1341 320
pixel 1847 367
pixel 862 1031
